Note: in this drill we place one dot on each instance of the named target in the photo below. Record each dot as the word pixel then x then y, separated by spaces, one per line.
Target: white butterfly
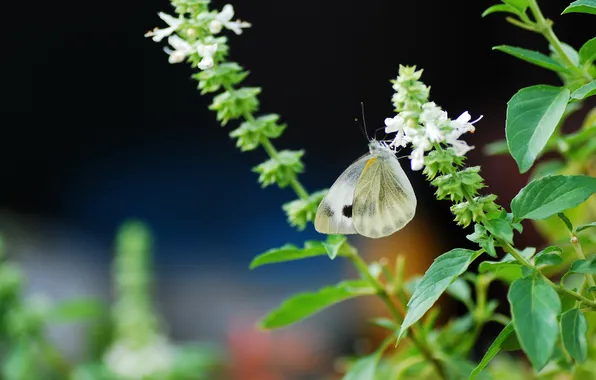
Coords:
pixel 373 197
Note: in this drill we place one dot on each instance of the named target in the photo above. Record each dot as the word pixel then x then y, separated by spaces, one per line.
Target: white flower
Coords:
pixel 460 126
pixel 433 133
pixel 224 19
pixel 397 124
pixel 206 52
pixel 417 159
pixel 181 49
pixel 173 25
pixel 431 113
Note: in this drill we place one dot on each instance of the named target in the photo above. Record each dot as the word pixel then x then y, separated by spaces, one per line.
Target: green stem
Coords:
pixel 54 358
pixel 415 337
pixel 559 288
pixel 589 278
pixel 272 152
pixel 544 27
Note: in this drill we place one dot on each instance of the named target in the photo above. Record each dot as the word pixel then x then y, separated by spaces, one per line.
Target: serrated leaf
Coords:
pixel 500 8
pixel 581 6
pixel 550 195
pixel 443 271
pixel 534 309
pixel 493 350
pixel 533 57
pixel 574 328
pixel 289 252
pixel 587 53
pixel 585 91
pixel 333 244
pixel 583 266
pixel 532 116
pixel 303 305
pixel 585 226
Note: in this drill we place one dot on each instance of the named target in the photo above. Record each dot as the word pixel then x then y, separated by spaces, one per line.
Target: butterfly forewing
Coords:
pixel 334 215
pixel 384 201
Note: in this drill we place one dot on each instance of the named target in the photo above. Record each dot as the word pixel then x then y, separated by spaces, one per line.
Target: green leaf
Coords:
pixel 548 259
pixel 585 91
pixel 532 116
pixel 483 239
pixel 289 252
pixel 500 8
pixel 574 328
pixel 303 305
pixel 363 368
pixel 460 290
pixel 569 51
pixel 385 323
pixel 566 221
pixel 500 228
pixel 333 245
pixel 520 5
pixel 550 195
pixel 73 310
pixel 493 350
pixel 443 271
pixel 534 309
pixel 507 271
pixel 581 6
pixel 583 266
pixel 587 53
pixel 585 226
pixel 533 57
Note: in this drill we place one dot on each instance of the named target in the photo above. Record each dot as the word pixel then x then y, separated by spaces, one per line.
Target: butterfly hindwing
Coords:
pixel 384 201
pixel 334 215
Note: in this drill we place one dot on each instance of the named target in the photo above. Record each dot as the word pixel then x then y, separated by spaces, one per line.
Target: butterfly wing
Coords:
pixel 384 201
pixel 334 215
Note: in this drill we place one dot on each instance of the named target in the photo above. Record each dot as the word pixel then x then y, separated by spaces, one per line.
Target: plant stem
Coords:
pixel 416 336
pixel 589 278
pixel 272 152
pixel 561 289
pixel 544 27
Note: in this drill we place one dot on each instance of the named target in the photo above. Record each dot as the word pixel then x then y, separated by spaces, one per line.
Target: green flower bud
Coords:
pixel 223 75
pixel 281 169
pixel 250 133
pixel 235 103
pixel 302 211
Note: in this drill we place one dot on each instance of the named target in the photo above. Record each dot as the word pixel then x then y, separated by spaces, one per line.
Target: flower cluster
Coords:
pixel 199 33
pixel 434 127
pixel 194 37
pixel 437 148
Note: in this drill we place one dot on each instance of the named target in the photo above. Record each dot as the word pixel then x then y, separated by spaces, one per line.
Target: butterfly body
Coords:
pixel 373 197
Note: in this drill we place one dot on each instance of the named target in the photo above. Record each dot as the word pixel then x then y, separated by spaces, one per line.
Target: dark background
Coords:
pixel 99 127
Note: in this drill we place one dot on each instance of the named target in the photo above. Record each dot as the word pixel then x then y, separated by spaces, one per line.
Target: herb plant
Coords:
pixel 550 289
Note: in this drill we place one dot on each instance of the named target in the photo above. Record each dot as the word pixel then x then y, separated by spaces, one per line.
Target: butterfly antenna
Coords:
pixel 364 121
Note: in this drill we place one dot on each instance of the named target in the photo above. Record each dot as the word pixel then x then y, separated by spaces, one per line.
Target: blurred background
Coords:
pixel 99 128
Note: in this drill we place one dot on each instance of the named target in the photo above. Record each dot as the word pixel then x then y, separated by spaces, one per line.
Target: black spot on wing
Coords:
pixel 347 211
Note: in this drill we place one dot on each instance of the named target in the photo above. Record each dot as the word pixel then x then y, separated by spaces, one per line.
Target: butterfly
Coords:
pixel 373 197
